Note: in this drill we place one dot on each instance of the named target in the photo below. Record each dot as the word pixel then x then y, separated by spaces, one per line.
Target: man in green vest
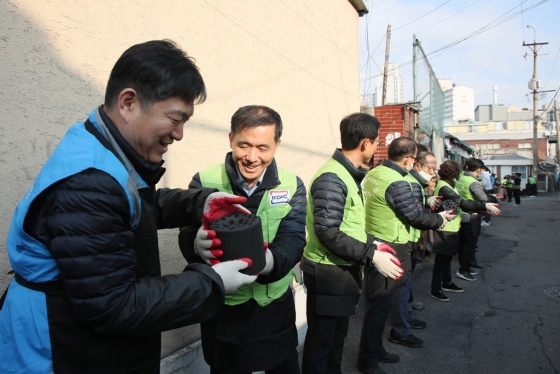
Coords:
pixel 338 246
pixel 470 188
pixel 255 330
pixel 532 186
pixel 391 209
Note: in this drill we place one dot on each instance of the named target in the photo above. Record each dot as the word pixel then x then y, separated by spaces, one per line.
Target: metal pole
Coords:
pixel 385 69
pixel 557 119
pixel 536 118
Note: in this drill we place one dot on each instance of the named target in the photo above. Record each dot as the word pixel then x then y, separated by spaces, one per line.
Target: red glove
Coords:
pixel 382 247
pixel 221 204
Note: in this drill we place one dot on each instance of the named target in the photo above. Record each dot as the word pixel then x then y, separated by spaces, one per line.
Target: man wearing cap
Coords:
pixel 255 330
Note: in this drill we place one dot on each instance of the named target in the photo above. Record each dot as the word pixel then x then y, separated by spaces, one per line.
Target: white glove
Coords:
pixel 232 278
pixel 448 215
pixel 206 245
pixel 385 261
pixel 493 209
pixel 433 202
pixel 269 261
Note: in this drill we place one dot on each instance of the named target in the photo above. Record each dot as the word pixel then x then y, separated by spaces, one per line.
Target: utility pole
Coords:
pixel 386 68
pixel 557 120
pixel 534 84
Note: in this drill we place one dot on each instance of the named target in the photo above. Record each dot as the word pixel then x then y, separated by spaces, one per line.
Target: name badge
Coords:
pixel 279 197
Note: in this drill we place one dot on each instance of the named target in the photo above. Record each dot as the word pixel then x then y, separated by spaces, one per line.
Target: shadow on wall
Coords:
pixel 41 98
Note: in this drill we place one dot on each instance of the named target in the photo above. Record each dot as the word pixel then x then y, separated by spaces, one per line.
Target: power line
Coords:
pixel 498 21
pixel 422 16
pixel 553 66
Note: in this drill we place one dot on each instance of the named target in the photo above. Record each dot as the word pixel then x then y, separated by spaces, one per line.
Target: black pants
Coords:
pixel 378 304
pixel 441 273
pixel 533 188
pixel 324 342
pixel 288 366
pixel 516 196
pixel 509 194
pixel 467 245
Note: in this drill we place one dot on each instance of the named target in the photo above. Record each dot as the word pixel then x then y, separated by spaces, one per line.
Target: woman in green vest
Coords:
pixel 446 242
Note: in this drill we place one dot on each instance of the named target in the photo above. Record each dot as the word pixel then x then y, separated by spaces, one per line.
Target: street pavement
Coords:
pixel 504 322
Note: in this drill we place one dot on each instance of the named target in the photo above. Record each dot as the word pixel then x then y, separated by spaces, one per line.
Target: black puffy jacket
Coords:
pixel 115 302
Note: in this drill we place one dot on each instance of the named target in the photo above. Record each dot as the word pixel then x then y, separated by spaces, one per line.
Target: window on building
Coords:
pixel 520 169
pixel 494 146
pixel 473 128
pixel 501 126
pixel 527 125
pixel 524 145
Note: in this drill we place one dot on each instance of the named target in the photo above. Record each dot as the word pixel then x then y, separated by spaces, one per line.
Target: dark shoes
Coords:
pixel 409 341
pixel 476 265
pixel 465 275
pixel 439 296
pixel 416 324
pixel 452 287
pixel 371 370
pixel 388 358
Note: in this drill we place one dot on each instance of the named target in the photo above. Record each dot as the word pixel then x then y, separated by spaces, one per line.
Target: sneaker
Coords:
pixel 439 296
pixel 416 305
pixel 452 287
pixel 473 272
pixel 484 223
pixel 465 275
pixel 418 325
pixel 409 341
pixel 371 370
pixel 388 358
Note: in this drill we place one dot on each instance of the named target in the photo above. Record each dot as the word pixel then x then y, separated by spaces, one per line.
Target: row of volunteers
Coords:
pixel 88 295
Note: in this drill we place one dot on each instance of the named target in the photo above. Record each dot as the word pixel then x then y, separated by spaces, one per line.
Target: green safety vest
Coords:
pixel 353 223
pixel 271 216
pixel 509 184
pixel 532 180
pixel 462 187
pixel 381 220
pixel 455 224
pixel 415 233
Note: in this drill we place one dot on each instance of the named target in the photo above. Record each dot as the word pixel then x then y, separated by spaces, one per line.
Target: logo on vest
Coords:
pixel 279 197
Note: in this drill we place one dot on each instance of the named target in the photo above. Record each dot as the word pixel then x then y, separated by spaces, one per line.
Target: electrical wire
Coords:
pixel 498 21
pixel 422 16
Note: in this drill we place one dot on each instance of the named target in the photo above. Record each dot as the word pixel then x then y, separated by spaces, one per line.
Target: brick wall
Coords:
pixel 394 119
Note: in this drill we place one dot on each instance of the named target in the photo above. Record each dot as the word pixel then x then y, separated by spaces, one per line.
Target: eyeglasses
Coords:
pixel 412 157
pixel 373 142
pixel 433 168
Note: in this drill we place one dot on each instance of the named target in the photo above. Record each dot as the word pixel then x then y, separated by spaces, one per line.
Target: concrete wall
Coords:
pixel 299 57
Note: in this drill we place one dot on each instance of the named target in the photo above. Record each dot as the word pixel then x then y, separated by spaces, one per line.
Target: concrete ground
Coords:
pixel 508 321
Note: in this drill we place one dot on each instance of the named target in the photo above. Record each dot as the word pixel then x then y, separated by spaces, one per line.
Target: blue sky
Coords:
pixel 494 57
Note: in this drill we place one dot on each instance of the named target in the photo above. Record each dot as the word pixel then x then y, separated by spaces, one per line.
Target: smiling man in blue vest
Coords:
pixel 88 295
pixel 256 329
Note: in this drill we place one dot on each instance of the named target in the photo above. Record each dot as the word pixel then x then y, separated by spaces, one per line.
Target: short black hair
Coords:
pixel 358 126
pixel 255 116
pixel 157 70
pixel 421 148
pixel 449 170
pixel 473 164
pixel 400 148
